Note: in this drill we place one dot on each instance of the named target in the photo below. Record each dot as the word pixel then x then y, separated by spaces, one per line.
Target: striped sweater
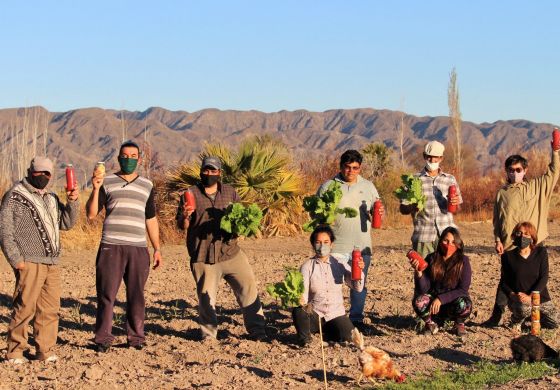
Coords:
pixel 128 204
pixel 30 223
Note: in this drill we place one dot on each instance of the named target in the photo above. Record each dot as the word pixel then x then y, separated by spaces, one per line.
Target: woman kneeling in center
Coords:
pixel 323 278
pixel 442 290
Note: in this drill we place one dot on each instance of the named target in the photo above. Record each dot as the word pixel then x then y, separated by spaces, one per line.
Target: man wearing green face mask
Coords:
pixel 123 254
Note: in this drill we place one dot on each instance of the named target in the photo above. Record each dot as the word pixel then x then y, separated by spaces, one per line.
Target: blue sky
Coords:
pixel 269 56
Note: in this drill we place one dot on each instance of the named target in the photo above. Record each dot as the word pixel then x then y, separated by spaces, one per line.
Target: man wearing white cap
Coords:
pixel 430 222
pixel 31 218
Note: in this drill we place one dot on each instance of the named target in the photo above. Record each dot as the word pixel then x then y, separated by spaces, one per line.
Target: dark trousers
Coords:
pixel 458 310
pixel 113 264
pixel 338 329
pixel 501 301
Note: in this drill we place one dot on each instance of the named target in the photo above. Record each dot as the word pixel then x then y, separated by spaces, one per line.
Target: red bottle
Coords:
pixel 413 255
pixel 70 178
pixel 555 139
pixel 356 270
pixel 452 191
pixel 189 199
pixel 376 217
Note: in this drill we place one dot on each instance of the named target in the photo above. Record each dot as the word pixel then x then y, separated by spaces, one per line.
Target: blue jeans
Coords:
pixel 357 299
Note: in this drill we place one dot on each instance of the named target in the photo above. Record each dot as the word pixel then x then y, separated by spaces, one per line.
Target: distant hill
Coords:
pixel 87 135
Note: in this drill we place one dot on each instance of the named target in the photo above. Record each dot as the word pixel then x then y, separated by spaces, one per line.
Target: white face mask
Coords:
pixel 515 177
pixel 322 250
pixel 432 166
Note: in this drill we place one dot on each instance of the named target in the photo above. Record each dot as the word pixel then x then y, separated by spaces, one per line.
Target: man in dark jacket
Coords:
pixel 215 254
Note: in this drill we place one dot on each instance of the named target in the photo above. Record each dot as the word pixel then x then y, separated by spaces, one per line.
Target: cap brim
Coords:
pixel 211 166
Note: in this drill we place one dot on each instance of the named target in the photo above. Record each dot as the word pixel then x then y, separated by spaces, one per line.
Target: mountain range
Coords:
pixel 84 136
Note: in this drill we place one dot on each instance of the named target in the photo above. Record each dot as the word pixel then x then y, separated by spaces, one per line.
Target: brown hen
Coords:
pixel 375 362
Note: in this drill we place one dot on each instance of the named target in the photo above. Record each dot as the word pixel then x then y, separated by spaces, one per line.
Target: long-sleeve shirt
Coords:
pixel 351 232
pixel 206 241
pixel 525 275
pixel 430 222
pixel 526 201
pixel 323 285
pixel 30 224
pixel 424 284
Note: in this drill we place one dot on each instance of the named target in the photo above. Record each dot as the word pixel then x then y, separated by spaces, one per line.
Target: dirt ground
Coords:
pixel 175 359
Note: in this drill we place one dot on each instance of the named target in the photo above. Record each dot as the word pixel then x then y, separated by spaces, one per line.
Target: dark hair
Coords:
pixel 350 156
pixel 514 159
pixel 321 229
pixel 129 143
pixel 448 271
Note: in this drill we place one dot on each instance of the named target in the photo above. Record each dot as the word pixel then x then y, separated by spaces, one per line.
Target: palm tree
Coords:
pixel 261 171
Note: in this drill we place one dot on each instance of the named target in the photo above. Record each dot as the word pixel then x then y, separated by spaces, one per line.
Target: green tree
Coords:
pixel 261 171
pixel 377 160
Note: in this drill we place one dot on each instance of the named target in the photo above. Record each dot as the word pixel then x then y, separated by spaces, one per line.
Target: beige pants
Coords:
pixel 238 273
pixel 37 294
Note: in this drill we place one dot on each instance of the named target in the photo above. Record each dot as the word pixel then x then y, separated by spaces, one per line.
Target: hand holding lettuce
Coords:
pixel 242 221
pixel 410 193
pixel 324 208
pixel 290 290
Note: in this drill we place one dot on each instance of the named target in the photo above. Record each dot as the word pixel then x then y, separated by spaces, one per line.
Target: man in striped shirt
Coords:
pixel 123 254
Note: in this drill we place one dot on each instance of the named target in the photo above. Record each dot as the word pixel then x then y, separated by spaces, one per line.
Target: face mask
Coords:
pixel 522 242
pixel 514 177
pixel 38 182
pixel 432 166
pixel 209 180
pixel 449 249
pixel 128 165
pixel 322 250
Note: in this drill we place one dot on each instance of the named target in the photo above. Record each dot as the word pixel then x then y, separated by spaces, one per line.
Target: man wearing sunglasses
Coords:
pixel 430 222
pixel 521 200
pixel 31 217
pixel 359 194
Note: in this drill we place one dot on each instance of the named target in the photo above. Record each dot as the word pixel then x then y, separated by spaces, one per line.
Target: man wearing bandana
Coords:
pixel 215 254
pixel 521 200
pixel 31 218
pixel 123 253
pixel 430 222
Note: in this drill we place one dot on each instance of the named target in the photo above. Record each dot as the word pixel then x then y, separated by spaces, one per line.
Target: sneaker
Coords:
pixel 261 337
pixel 459 329
pixel 17 361
pixel 430 328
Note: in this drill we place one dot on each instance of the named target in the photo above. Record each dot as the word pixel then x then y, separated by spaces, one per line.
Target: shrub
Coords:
pixel 262 172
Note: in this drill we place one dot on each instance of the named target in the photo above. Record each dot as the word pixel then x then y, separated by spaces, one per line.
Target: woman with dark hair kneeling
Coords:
pixel 525 269
pixel 323 278
pixel 441 291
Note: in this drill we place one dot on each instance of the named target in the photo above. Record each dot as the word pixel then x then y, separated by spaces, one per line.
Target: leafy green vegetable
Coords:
pixel 324 208
pixel 242 221
pixel 289 290
pixel 411 191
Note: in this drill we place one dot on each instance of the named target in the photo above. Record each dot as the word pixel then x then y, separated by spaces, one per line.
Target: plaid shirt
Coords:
pixel 429 223
pixel 206 242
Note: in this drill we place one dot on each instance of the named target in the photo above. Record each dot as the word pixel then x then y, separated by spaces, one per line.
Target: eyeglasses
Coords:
pixel 512 170
pixel 351 167
pixel 41 173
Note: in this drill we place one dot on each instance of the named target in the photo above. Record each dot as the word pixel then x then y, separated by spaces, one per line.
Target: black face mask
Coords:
pixel 522 242
pixel 209 180
pixel 38 182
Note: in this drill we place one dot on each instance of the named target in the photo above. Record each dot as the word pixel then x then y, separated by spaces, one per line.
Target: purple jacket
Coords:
pixel 425 285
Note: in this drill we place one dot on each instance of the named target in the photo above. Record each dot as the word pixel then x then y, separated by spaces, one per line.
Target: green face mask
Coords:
pixel 128 165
